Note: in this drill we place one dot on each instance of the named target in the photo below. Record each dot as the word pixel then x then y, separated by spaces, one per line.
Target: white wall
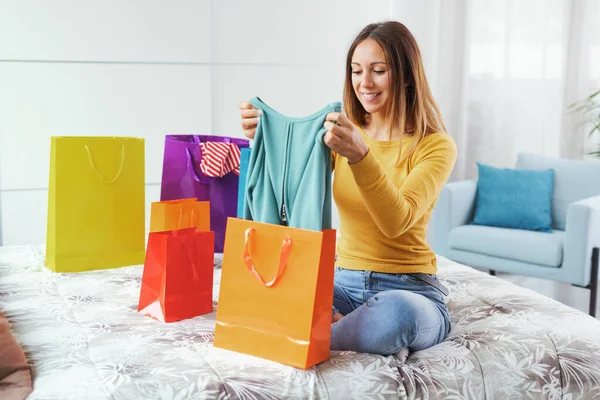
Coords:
pixel 147 68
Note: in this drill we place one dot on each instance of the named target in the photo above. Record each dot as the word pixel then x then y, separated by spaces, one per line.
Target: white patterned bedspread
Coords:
pixel 85 340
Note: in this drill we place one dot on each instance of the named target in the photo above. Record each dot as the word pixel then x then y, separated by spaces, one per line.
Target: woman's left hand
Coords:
pixel 343 138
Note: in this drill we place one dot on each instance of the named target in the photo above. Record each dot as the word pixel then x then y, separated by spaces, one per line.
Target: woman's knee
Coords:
pixel 401 306
pixel 405 319
pixel 395 312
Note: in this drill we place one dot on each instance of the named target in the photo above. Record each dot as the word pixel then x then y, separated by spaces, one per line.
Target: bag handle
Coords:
pixel 192 215
pixel 199 139
pixel 201 178
pixel 286 247
pixel 89 153
pixel 193 258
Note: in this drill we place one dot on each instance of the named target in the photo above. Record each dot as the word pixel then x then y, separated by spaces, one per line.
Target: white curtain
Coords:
pixel 505 71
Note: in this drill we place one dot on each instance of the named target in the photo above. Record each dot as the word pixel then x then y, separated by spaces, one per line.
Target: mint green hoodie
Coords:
pixel 289 172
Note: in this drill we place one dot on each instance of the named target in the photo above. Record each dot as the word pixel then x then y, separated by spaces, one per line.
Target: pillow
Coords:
pixel 15 373
pixel 517 199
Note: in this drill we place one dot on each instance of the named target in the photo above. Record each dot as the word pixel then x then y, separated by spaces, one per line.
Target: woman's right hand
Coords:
pixel 250 117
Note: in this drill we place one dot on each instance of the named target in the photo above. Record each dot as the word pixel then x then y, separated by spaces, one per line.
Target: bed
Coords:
pixel 84 340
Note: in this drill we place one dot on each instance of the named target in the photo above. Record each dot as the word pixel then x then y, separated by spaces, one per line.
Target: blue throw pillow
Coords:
pixel 518 199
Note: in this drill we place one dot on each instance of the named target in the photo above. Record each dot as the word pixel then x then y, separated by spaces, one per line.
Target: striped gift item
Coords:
pixel 219 158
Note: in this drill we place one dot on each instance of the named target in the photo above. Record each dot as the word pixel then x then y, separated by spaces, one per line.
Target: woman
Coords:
pixel 392 157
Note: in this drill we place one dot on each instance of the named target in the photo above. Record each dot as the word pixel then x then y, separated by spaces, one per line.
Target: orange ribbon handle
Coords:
pixel 286 247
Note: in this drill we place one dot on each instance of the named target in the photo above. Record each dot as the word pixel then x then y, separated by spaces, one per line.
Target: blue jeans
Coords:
pixel 384 313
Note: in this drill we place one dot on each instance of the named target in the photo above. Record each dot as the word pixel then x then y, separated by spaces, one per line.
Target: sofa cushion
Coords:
pixel 518 199
pixel 15 374
pixel 574 180
pixel 539 248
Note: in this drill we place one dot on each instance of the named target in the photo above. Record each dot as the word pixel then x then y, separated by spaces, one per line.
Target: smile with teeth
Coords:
pixel 370 96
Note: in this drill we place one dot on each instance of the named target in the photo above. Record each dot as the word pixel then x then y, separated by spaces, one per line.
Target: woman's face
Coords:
pixel 370 76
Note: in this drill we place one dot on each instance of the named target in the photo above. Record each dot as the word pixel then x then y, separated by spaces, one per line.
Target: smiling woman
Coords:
pixel 370 79
pixel 391 158
pixel 384 62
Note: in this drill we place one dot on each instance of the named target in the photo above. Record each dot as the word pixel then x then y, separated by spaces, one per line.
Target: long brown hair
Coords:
pixel 412 108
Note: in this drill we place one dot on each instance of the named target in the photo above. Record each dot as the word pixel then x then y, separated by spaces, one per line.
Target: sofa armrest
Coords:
pixel 582 233
pixel 454 207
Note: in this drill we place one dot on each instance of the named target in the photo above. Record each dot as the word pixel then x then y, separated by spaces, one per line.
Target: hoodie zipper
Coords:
pixel 283 213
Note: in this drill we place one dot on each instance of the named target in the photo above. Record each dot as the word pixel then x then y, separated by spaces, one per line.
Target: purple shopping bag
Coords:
pixel 182 178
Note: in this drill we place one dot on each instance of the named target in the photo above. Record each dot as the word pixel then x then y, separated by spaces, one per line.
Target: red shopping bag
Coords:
pixel 177 281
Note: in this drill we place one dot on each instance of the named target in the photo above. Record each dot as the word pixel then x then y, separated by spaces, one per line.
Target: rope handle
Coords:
pixel 192 218
pixel 192 253
pixel 91 159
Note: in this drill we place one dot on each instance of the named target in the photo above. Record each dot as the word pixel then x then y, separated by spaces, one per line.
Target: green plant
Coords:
pixel 590 108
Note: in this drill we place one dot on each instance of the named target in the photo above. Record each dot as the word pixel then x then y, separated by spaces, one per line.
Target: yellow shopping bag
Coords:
pixel 96 203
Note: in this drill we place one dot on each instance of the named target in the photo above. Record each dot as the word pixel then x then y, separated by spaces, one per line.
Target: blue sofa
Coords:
pixel 568 254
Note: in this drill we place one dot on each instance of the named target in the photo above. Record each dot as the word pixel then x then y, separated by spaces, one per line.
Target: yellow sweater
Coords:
pixel 384 208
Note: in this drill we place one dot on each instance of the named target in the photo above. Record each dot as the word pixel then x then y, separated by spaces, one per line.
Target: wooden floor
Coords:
pixel 572 296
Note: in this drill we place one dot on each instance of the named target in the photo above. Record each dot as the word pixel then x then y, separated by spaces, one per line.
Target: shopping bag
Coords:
pixel 177 280
pixel 170 215
pixel 244 159
pixel 187 172
pixel 96 203
pixel 276 292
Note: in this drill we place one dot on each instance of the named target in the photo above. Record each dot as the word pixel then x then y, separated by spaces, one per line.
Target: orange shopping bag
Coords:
pixel 178 214
pixel 276 292
pixel 177 281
